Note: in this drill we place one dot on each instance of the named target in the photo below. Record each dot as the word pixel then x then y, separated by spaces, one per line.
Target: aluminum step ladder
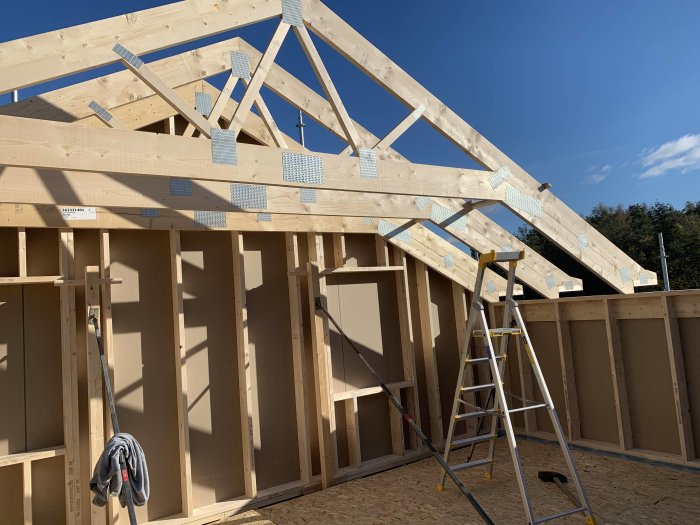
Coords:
pixel 496 406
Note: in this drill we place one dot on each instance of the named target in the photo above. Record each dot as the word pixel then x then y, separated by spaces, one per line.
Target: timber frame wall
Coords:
pixel 118 193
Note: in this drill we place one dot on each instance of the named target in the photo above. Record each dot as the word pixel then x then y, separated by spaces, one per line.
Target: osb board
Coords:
pixel 42 251
pixel 418 347
pixel 596 402
pixel 211 367
pixel 9 261
pixel 360 250
pixel 689 330
pixel 269 333
pixel 648 380
pixel 12 437
pixel 545 344
pixel 445 340
pixel 11 496
pixel 144 353
pixel 48 495
pixel 620 491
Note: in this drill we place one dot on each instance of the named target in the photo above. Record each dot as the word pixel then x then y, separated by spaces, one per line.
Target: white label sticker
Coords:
pixel 78 214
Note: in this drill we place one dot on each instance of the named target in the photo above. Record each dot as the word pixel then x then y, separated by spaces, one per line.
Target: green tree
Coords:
pixel 635 231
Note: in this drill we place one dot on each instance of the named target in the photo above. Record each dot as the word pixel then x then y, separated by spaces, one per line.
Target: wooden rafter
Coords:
pixel 222 100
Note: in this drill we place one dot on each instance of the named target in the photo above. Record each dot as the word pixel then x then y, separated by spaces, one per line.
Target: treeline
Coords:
pixel 635 230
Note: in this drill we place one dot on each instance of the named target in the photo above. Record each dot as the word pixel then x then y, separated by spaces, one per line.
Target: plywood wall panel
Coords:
pixel 12 437
pixel 596 401
pixel 544 340
pixel 42 251
pixel 9 262
pixel 375 429
pixel 648 378
pixel 690 330
pixel 48 496
pixel 212 378
pixel 360 250
pixel 143 354
pixel 270 340
pixel 11 495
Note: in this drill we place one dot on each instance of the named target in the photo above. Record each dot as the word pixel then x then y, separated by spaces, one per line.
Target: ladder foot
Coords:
pixel 487 475
pixel 441 487
pixel 590 520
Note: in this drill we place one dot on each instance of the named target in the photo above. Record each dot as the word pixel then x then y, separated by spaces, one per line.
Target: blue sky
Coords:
pixel 600 98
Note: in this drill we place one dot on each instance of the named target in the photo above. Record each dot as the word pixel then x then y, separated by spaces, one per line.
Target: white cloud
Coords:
pixel 597 178
pixel 681 154
pixel 605 168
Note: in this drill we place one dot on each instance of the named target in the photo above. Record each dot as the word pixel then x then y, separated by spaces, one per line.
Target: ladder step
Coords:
pixel 560 515
pixel 467 415
pixel 498 332
pixel 475 388
pixel 479 360
pixel 530 407
pixel 470 464
pixel 472 440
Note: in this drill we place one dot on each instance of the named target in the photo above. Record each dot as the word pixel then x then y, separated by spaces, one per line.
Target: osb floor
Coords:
pixel 621 492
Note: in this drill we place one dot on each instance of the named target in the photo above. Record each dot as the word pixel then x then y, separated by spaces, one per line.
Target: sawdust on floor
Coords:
pixel 621 492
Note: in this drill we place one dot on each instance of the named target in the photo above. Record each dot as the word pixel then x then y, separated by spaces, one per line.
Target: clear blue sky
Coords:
pixel 601 98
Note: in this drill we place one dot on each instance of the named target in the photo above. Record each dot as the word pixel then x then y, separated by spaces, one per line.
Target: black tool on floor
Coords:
pixel 407 417
pixel 92 318
pixel 549 476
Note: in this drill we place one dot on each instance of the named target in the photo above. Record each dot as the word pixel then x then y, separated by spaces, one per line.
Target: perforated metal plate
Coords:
pixel 625 274
pixel 568 285
pixel 643 279
pixel 127 55
pixel 202 103
pixel 248 196
pixel 100 111
pixel 447 217
pixel 422 202
pixel 223 147
pixel 369 220
pixel 490 287
pixel 499 177
pixel 387 229
pixel 519 200
pixel 240 67
pixel 307 195
pixel 181 187
pixel 210 219
pixel 291 12
pixel 448 261
pixel 583 241
pixel 305 169
pixel 368 164
pixel 264 217
pixel 549 280
pixel 150 212
pixel 418 112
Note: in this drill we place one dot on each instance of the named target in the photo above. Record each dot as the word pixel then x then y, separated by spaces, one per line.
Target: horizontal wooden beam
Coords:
pixel 32 60
pixel 27 457
pixel 33 279
pixel 350 269
pixel 369 391
pixel 56 145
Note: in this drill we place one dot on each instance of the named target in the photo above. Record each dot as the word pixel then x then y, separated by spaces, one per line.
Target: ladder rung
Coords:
pixel 477 387
pixel 530 407
pixel 470 464
pixel 560 515
pixel 479 360
pixel 462 417
pixel 472 440
pixel 498 332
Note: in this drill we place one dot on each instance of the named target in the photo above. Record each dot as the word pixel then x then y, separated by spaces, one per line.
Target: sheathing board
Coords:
pixel 689 330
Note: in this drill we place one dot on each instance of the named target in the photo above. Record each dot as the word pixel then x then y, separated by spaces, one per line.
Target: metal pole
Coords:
pixel 15 96
pixel 301 126
pixel 664 265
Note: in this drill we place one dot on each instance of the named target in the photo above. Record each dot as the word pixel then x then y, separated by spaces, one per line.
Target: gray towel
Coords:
pixel 107 479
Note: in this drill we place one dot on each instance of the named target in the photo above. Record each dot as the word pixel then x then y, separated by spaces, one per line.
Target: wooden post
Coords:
pixel 297 330
pixel 617 368
pixel 338 250
pixel 429 358
pixel 323 371
pixel 568 375
pixel 96 410
pixel 180 355
pixel 27 491
pixel 246 370
pixel 678 379
pixel 69 376
pixel 22 251
pixel 353 432
pixel 408 356
pixel 460 308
